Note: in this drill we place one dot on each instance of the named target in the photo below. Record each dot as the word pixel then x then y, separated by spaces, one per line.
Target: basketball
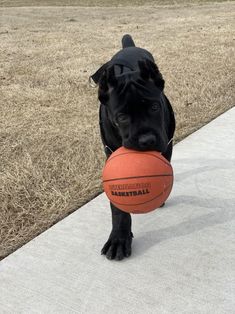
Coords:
pixel 136 181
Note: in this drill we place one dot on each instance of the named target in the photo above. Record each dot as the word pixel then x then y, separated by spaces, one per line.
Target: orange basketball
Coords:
pixel 137 182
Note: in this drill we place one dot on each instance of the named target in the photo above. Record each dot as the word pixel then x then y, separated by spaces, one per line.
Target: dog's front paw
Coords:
pixel 118 246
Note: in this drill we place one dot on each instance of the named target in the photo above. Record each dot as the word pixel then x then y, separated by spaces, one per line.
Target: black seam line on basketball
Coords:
pixel 140 153
pixel 114 202
pixel 150 176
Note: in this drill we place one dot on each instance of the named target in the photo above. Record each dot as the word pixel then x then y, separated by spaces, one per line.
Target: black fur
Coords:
pixel 136 114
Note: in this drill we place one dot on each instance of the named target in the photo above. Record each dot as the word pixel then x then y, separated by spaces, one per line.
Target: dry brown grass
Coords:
pixel 50 151
pixel 99 3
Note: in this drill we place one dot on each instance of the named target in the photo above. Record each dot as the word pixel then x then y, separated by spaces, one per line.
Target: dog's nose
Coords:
pixel 147 141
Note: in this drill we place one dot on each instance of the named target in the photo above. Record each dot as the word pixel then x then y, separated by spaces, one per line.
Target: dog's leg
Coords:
pixel 118 245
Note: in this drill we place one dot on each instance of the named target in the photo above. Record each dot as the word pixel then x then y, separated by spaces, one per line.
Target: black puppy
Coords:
pixel 134 113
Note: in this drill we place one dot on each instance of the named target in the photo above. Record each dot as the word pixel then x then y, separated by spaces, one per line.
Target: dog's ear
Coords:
pixel 150 71
pixel 103 89
pixel 156 75
pixel 110 75
pixel 107 81
pixel 144 70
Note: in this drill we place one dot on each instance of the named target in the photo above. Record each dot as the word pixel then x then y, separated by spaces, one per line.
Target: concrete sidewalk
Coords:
pixel 183 258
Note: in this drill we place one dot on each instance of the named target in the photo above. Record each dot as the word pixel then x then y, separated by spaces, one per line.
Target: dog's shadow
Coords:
pixel 154 237
pixel 226 212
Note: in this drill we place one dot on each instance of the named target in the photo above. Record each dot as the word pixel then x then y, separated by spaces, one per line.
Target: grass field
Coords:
pixel 50 151
pixel 100 3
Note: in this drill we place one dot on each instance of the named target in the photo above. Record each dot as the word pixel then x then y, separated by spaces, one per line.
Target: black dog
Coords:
pixel 134 113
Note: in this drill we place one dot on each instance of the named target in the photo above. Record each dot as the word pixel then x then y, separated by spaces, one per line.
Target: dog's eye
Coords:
pixel 122 118
pixel 155 107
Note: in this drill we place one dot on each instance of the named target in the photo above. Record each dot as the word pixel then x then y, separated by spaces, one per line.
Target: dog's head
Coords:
pixel 136 106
